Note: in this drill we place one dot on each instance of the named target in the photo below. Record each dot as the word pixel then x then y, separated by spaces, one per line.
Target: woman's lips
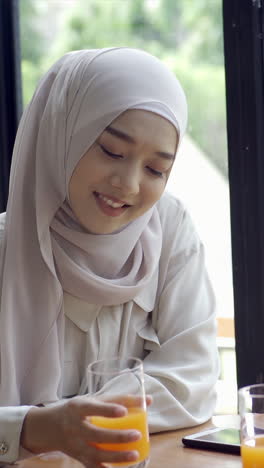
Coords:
pixel 109 205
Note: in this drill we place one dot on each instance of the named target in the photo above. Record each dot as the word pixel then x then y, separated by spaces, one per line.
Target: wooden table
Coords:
pixel 167 451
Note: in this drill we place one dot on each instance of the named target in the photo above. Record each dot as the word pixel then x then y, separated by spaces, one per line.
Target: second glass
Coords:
pixel 122 380
pixel 251 410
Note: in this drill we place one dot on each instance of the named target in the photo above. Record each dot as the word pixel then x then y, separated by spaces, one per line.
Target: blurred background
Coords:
pixel 187 35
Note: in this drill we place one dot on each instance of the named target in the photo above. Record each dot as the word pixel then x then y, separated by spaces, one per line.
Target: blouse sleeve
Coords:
pixel 182 371
pixel 11 421
pixel 11 417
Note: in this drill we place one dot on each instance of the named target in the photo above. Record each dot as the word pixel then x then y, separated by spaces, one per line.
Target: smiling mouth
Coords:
pixel 113 203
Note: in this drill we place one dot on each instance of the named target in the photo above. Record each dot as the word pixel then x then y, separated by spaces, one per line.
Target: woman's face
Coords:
pixel 124 172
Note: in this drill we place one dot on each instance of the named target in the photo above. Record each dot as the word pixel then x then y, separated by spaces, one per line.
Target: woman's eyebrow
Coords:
pixel 120 134
pixel 124 136
pixel 165 155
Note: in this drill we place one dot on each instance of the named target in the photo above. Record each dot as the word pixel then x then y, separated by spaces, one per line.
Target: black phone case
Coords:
pixel 193 441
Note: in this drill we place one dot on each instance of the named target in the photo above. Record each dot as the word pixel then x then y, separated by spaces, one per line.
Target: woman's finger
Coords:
pixel 92 456
pixel 87 406
pixel 109 456
pixel 149 400
pixel 97 434
pixel 129 401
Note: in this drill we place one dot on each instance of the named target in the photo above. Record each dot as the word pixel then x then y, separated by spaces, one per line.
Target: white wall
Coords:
pixel 205 192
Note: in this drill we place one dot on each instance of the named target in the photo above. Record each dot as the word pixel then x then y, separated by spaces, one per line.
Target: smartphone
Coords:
pixel 220 439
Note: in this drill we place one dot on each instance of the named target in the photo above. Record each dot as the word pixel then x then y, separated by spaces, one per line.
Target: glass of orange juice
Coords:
pixel 122 380
pixel 251 410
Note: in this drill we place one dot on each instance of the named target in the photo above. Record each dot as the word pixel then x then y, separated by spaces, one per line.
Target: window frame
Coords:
pixel 244 69
pixel 10 89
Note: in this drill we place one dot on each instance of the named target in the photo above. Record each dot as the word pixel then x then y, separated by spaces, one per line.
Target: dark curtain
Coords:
pixel 10 90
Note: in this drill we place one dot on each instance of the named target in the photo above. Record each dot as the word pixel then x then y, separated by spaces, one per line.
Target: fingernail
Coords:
pixel 133 455
pixel 134 435
pixel 120 411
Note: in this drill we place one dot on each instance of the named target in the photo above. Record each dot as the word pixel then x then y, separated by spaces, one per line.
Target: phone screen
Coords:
pixel 223 440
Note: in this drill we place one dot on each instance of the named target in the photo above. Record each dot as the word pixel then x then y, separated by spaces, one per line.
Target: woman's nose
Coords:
pixel 126 181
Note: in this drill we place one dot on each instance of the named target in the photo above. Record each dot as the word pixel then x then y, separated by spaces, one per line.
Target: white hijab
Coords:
pixel 45 250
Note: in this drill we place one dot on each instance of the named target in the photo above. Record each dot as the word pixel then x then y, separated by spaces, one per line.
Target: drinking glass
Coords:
pixel 251 410
pixel 122 380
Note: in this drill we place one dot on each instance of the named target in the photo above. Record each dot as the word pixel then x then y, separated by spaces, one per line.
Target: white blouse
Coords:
pixel 171 326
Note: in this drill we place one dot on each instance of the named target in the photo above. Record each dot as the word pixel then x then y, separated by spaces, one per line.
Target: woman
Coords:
pixel 98 261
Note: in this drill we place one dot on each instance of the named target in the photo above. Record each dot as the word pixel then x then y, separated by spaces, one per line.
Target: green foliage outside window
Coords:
pixel 185 34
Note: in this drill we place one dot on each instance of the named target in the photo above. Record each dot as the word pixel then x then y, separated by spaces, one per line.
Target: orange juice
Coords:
pixel 135 419
pixel 252 452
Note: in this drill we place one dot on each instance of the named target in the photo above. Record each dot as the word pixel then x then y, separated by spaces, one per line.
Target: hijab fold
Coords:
pixel 45 251
pixel 89 270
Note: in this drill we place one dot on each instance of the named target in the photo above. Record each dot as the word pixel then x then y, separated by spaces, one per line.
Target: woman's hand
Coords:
pixel 67 428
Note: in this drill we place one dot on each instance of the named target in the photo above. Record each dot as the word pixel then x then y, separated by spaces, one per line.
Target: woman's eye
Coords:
pixel 109 153
pixel 155 172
